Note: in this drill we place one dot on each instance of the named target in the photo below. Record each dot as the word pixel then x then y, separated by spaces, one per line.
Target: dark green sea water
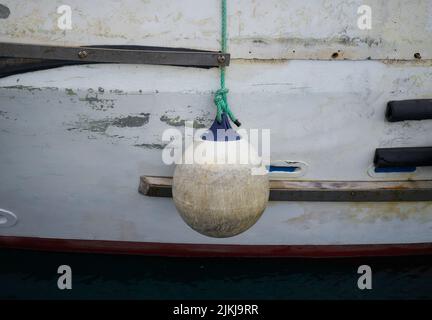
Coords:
pixel 33 275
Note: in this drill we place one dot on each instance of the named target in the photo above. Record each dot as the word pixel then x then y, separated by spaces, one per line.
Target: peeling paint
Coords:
pixel 101 126
pixel 407 63
pixel 176 121
pixel 200 123
pixel 342 39
pixel 132 121
pixel 70 92
pixel 259 41
pixel 151 145
pixel 341 108
pixel 350 96
pixel 117 91
pixel 97 103
pixel 30 88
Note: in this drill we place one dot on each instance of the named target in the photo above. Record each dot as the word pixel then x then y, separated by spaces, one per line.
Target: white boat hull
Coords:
pixel 75 140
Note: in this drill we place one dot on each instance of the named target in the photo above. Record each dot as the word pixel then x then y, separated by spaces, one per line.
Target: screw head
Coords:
pixel 82 54
pixel 221 59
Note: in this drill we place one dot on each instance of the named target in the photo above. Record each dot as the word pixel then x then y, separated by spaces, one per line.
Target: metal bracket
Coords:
pixel 117 54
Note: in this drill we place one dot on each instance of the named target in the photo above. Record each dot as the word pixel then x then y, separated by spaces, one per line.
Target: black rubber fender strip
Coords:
pixel 403 157
pixel 419 109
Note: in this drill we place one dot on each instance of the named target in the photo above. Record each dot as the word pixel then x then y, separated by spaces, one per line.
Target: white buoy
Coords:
pixel 224 191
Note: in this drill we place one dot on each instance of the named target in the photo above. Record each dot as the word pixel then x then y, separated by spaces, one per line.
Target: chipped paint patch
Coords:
pixel 70 92
pixel 158 146
pixel 201 122
pixel 29 88
pixel 117 91
pixel 132 121
pixel 97 103
pixel 342 39
pixel 175 121
pixel 101 125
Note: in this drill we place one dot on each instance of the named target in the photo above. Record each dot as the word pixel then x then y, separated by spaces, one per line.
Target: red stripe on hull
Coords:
pixel 213 250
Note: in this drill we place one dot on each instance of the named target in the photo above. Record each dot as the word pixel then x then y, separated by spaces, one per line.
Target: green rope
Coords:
pixel 220 98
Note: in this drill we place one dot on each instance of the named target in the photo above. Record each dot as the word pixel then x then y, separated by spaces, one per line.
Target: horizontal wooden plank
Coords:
pixel 337 191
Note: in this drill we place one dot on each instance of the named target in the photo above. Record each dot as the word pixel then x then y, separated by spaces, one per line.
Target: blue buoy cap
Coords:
pixel 221 131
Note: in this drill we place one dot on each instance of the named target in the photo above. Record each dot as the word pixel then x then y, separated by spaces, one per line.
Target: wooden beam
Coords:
pixel 336 191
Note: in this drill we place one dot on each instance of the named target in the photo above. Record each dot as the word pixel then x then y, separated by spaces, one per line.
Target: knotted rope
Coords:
pixel 220 98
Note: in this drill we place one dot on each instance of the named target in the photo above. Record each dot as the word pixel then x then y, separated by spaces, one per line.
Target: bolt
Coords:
pixel 221 59
pixel 83 54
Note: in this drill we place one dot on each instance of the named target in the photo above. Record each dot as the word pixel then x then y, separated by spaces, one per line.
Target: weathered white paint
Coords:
pixel 75 140
pixel 333 120
pixel 70 169
pixel 271 29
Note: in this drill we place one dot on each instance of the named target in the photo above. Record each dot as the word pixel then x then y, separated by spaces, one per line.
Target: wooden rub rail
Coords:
pixel 336 191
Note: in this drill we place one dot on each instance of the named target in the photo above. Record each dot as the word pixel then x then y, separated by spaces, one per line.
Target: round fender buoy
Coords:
pixel 219 196
pixel 225 189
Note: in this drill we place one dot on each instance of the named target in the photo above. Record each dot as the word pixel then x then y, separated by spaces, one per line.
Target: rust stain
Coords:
pixel 362 213
pixel 371 212
pixel 406 63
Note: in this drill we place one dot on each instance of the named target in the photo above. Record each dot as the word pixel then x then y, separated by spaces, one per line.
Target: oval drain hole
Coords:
pixel 286 169
pixel 7 218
